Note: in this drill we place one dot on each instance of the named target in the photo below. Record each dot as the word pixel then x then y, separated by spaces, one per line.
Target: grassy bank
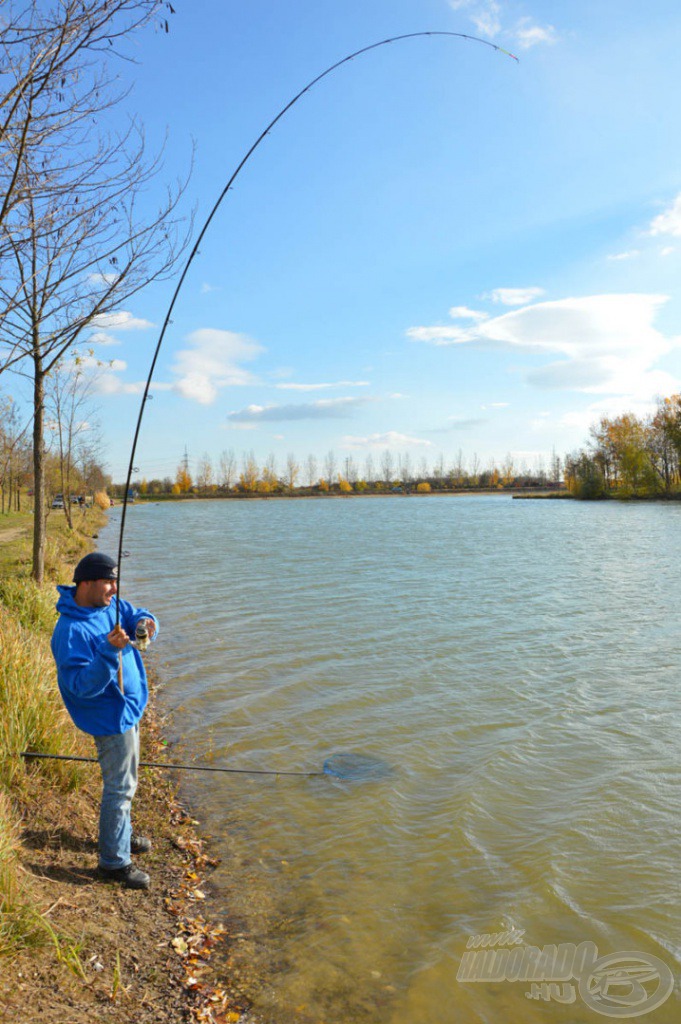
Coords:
pixel 31 713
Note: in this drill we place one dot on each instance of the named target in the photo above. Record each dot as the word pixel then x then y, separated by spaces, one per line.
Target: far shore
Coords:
pixel 279 495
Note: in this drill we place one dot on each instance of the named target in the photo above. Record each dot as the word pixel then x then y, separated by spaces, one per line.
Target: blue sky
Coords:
pixel 437 249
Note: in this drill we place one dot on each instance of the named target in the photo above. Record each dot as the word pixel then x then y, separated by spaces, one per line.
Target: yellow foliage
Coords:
pixel 424 487
pixel 323 486
pixel 102 500
pixel 183 480
pixel 345 486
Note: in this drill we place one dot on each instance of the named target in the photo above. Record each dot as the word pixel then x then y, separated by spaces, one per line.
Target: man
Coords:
pixel 104 687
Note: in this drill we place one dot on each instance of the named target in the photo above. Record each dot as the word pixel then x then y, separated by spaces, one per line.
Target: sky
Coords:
pixel 438 249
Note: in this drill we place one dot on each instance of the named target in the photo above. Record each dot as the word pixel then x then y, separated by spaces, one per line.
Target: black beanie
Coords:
pixel 96 566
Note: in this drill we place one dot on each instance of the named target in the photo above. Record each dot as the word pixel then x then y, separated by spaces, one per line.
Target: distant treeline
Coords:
pixel 388 475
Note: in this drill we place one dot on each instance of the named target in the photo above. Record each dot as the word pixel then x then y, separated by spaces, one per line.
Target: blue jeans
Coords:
pixel 118 758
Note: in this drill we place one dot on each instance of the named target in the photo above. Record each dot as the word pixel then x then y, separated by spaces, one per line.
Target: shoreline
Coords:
pixel 162 499
pixel 93 949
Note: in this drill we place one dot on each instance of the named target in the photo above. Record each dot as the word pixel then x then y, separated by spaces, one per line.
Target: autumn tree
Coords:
pixel 584 476
pixel 248 480
pixel 183 479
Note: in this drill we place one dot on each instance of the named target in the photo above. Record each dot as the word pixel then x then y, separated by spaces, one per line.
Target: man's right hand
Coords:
pixel 118 637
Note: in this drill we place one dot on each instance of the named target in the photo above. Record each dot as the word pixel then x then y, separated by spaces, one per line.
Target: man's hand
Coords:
pixel 118 638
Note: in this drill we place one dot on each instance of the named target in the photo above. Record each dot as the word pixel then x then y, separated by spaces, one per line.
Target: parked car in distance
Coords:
pixel 58 501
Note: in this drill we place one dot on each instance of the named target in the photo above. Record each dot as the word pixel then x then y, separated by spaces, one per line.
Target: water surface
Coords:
pixel 516 663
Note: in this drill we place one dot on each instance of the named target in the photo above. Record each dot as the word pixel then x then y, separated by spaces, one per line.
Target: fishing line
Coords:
pixel 195 249
pixel 365 769
pixel 348 767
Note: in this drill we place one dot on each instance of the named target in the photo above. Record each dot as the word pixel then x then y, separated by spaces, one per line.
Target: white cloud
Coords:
pixel 211 362
pixel 109 384
pixel 609 343
pixel 669 221
pixel 515 296
pixel 667 250
pixel 464 313
pixel 323 409
pixel 207 288
pixel 121 321
pixel 441 335
pixel 102 338
pixel 527 34
pixel 614 405
pixel 486 15
pixel 629 254
pixel 324 387
pixel 483 13
pixel 379 442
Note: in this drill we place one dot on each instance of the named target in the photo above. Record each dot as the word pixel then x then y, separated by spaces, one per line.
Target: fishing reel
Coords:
pixel 142 638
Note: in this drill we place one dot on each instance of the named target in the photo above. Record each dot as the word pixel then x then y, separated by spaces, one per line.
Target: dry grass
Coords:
pixel 32 716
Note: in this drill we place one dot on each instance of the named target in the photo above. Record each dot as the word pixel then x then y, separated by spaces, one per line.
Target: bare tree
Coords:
pixel 406 470
pixel 350 469
pixel 369 471
pixel 204 473
pixel 474 475
pixel 54 58
pixel 12 453
pixel 227 468
pixel 311 470
pixel 75 239
pixel 387 467
pixel 292 471
pixel 556 468
pixel 330 468
pixel 70 419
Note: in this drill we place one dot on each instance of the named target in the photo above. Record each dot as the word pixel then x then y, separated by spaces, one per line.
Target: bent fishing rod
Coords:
pixel 346 767
pixel 175 767
pixel 195 248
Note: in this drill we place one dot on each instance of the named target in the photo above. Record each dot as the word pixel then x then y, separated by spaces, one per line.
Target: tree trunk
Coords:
pixel 39 518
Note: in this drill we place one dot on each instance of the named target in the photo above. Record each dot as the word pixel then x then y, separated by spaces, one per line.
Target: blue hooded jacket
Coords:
pixel 87 665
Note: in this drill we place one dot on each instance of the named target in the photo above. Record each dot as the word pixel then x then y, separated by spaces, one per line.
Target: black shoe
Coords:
pixel 139 844
pixel 130 876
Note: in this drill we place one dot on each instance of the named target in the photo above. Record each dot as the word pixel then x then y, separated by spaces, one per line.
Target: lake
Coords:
pixel 515 663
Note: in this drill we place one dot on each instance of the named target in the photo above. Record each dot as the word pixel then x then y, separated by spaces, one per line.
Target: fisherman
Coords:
pixel 104 687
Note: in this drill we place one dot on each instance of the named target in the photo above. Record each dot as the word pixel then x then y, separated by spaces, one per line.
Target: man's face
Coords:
pixel 95 593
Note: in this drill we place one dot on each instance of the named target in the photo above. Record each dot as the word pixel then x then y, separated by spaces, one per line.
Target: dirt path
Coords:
pixel 10 533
